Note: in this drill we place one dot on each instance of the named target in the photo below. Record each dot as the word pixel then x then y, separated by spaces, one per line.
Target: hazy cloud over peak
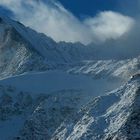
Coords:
pixel 109 25
pixel 60 24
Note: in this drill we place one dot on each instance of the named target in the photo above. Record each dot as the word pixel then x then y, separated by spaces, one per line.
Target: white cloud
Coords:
pixel 109 24
pixel 55 21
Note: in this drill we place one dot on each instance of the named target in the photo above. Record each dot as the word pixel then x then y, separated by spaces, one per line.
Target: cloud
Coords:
pixel 109 25
pixel 60 24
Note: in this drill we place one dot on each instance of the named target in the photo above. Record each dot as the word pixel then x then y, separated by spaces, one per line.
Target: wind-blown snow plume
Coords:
pixel 54 20
pixel 109 24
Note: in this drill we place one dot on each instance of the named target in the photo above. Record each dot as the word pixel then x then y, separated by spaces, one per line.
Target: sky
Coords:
pixel 84 21
pixel 82 8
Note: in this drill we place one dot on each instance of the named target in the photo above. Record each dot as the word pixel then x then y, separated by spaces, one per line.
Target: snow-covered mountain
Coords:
pixel 22 49
pixel 15 54
pixel 110 117
pixel 64 91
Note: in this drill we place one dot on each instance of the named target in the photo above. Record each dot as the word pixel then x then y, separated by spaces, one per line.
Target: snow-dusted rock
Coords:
pixel 110 117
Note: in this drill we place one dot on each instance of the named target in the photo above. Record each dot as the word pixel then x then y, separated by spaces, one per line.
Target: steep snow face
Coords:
pixel 113 116
pixel 15 54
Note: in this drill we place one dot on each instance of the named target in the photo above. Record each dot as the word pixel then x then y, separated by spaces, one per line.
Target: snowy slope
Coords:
pixel 15 53
pixel 107 68
pixel 19 109
pixel 110 117
pixel 65 114
pixel 57 93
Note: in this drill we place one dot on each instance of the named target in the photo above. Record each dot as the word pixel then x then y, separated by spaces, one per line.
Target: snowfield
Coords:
pixel 52 81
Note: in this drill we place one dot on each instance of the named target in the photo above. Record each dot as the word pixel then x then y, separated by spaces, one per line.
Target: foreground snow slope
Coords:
pixel 56 92
pixel 65 114
pixel 110 117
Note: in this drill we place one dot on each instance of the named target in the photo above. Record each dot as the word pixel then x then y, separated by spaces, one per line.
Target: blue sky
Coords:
pixel 81 8
pixel 88 7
